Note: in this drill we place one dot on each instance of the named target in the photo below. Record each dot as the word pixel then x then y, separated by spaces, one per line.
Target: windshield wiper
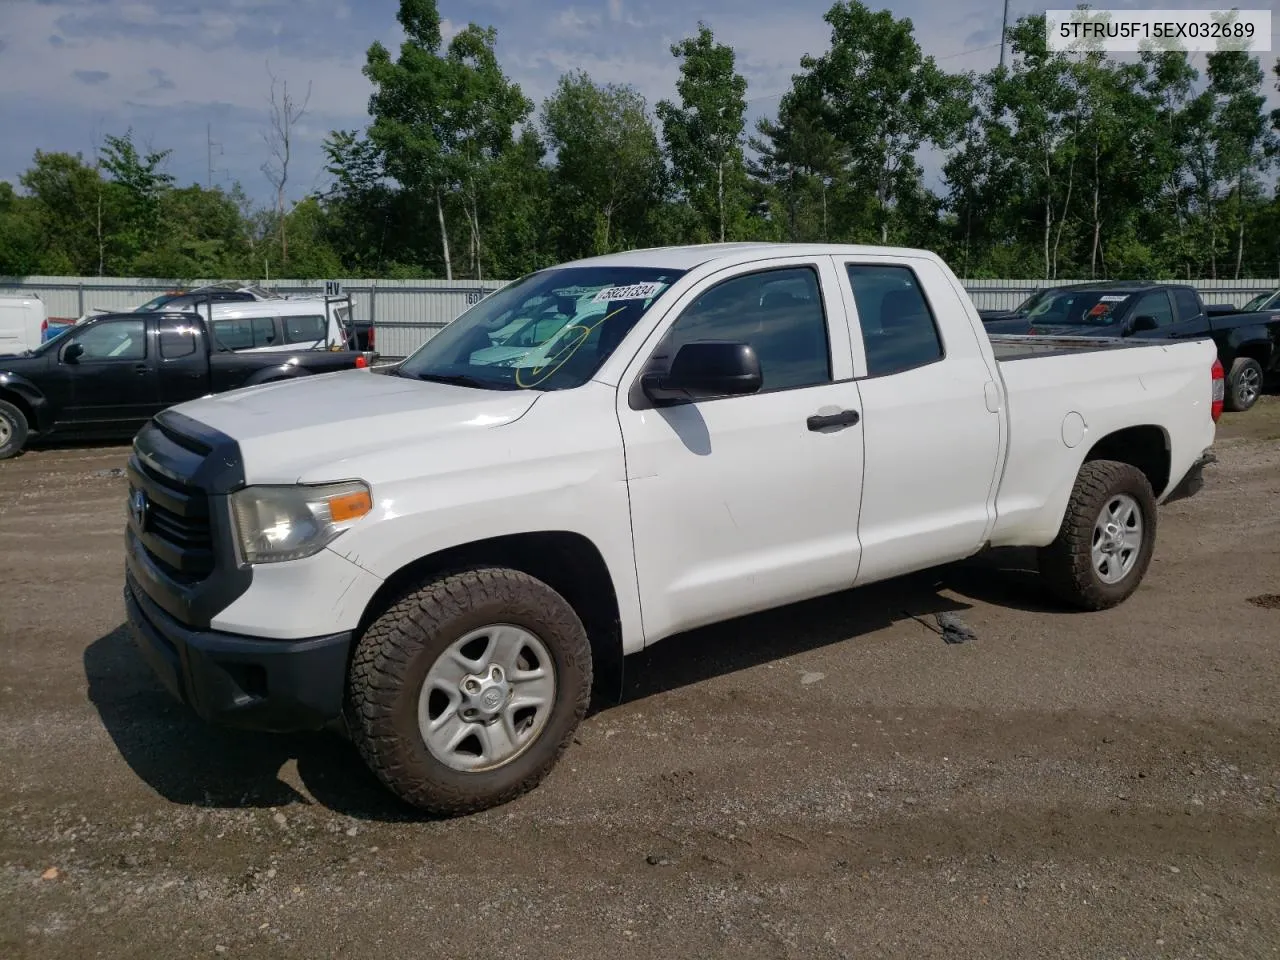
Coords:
pixel 464 380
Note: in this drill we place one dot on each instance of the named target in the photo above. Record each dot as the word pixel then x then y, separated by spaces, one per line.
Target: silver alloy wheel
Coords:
pixel 1117 538
pixel 487 698
pixel 6 431
pixel 1248 385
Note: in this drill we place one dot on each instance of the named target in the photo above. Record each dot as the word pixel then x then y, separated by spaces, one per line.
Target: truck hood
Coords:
pixel 289 427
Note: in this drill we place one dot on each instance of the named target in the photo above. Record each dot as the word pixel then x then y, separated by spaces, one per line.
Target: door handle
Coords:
pixel 845 418
pixel 141 368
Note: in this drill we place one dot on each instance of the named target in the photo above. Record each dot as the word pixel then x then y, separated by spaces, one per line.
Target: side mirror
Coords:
pixel 709 369
pixel 1142 323
pixel 73 353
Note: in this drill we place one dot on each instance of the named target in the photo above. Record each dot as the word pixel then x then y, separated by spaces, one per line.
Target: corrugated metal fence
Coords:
pixel 407 313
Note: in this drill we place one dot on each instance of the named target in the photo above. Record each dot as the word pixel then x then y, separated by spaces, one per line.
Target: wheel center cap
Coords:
pixel 486 693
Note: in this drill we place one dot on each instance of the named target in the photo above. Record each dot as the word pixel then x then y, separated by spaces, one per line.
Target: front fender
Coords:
pixel 31 396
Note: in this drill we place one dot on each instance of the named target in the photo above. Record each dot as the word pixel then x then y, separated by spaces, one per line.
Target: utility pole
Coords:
pixel 209 145
pixel 1004 29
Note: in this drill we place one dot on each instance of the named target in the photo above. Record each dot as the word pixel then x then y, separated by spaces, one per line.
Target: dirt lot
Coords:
pixel 829 780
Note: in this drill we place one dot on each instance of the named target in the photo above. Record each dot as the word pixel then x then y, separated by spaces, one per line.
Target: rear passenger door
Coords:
pixel 1190 320
pixel 739 503
pixel 184 363
pixel 931 417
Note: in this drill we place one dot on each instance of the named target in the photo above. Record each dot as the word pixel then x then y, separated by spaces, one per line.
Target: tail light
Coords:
pixel 361 362
pixel 44 329
pixel 1219 389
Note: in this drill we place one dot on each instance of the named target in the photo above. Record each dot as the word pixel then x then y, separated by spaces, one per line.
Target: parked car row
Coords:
pixel 332 317
pixel 1248 339
pixel 108 376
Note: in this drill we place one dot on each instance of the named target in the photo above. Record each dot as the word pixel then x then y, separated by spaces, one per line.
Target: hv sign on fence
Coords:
pixel 333 288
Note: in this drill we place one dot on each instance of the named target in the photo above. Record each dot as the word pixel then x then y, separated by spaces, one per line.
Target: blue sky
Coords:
pixel 173 70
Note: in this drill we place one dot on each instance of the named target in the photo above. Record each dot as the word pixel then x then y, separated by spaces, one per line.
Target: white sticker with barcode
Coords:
pixel 632 291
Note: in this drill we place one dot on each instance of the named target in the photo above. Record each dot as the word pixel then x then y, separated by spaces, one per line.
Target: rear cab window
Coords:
pixel 899 331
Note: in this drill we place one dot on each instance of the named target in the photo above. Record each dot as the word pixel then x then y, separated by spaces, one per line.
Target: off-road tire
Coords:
pixel 1242 368
pixel 395 653
pixel 14 438
pixel 1067 564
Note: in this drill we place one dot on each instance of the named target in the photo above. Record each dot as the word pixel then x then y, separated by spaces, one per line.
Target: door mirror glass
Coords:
pixel 1144 322
pixel 73 353
pixel 707 369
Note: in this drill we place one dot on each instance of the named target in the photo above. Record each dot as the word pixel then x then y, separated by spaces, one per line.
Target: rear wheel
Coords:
pixel 1104 546
pixel 464 694
pixel 1244 384
pixel 13 430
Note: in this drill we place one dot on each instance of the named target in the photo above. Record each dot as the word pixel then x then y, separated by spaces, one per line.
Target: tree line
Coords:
pixel 1059 166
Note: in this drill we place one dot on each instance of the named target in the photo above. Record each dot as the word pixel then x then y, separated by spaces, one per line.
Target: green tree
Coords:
pixel 1243 144
pixel 608 179
pixel 139 184
pixel 704 134
pixel 413 112
pixel 882 100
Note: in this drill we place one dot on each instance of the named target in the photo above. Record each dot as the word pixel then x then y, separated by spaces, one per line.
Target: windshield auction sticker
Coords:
pixel 633 291
pixel 1135 31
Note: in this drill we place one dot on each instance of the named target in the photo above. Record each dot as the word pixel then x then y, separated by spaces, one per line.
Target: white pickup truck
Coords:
pixel 440 557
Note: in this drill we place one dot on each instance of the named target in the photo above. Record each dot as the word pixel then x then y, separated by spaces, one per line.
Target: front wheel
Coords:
pixel 13 430
pixel 466 692
pixel 1108 534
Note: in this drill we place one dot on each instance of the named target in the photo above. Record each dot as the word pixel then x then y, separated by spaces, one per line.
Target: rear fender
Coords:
pixel 1253 340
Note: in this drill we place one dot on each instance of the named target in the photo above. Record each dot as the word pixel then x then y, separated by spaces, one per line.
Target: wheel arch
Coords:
pixel 567 562
pixel 1145 447
pixel 26 406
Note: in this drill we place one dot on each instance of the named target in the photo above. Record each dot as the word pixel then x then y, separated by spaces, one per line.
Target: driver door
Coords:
pixel 112 385
pixel 741 503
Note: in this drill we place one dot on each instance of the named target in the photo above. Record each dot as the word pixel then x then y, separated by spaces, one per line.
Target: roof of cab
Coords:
pixel 696 255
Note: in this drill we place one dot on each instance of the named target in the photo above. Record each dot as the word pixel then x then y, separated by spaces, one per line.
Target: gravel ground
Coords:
pixel 827 780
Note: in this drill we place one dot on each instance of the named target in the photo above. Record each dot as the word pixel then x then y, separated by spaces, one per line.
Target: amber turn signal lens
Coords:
pixel 350 506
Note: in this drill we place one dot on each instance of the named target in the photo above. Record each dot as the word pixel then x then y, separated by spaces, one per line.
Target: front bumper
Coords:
pixel 1193 481
pixel 272 685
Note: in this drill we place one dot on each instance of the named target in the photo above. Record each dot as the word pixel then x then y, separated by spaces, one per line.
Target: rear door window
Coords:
pixel 246 333
pixel 306 329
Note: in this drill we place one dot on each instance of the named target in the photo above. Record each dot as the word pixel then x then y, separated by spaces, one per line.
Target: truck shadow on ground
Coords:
pixel 193 763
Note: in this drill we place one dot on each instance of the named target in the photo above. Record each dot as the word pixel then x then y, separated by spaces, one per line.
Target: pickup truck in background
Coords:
pixel 441 558
pixel 1248 341
pixel 108 376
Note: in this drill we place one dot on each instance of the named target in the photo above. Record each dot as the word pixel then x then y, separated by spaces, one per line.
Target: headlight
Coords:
pixel 292 522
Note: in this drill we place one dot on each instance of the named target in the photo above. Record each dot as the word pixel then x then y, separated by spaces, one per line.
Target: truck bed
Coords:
pixel 1009 347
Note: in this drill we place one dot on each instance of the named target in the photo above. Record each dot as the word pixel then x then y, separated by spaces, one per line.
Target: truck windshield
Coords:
pixel 550 330
pixel 1260 302
pixel 1095 308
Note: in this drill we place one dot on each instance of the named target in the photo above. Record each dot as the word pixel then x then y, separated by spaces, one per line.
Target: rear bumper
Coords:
pixel 259 684
pixel 1193 481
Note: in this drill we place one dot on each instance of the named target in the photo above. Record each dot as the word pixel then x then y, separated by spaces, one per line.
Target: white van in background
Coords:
pixel 303 323
pixel 22 324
